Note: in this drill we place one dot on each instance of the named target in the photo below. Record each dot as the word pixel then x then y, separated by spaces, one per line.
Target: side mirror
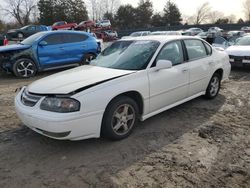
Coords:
pixel 163 64
pixel 43 43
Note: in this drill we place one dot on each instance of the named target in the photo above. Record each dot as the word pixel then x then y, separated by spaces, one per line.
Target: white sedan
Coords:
pixel 240 52
pixel 133 79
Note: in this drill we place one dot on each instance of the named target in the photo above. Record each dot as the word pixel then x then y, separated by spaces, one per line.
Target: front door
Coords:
pixel 168 86
pixel 52 52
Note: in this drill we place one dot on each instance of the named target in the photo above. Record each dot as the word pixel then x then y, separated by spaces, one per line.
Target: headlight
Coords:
pixel 62 105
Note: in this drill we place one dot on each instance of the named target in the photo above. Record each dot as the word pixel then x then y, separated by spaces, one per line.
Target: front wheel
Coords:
pixel 24 68
pixel 213 86
pixel 119 118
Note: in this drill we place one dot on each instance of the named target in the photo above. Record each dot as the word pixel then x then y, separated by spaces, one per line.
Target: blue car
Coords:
pixel 48 50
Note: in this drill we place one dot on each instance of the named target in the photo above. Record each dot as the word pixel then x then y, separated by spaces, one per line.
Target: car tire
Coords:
pixel 24 68
pixel 86 59
pixel 20 35
pixel 119 119
pixel 213 87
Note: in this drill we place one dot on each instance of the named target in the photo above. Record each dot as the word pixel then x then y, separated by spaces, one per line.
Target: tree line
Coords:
pixel 46 12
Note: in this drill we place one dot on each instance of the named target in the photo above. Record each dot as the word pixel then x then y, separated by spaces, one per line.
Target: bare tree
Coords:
pixel 202 14
pixel 100 7
pixel 231 18
pixel 246 7
pixel 20 10
pixel 214 16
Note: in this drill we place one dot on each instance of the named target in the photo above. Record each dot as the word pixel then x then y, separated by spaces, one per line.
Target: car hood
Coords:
pixel 75 79
pixel 238 50
pixel 12 30
pixel 13 47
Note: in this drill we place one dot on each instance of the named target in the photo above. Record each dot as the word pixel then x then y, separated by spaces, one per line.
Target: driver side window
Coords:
pixel 172 52
pixel 31 28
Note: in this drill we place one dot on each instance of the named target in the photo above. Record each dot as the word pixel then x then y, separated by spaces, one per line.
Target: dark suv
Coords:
pixel 25 31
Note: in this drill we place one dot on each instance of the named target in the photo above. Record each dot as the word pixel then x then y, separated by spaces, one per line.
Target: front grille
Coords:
pixel 236 57
pixel 239 57
pixel 29 99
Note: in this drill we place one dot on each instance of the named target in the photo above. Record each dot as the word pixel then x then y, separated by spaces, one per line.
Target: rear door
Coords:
pixel 75 46
pixel 53 53
pixel 200 64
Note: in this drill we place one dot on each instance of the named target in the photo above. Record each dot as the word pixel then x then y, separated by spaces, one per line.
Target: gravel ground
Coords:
pixel 201 143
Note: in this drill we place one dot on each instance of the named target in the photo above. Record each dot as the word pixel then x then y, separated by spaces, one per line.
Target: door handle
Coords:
pixel 184 70
pixel 61 48
pixel 211 63
pixel 84 46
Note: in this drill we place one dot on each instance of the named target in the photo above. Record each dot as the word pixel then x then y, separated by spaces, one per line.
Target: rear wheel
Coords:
pixel 24 68
pixel 213 86
pixel 87 59
pixel 119 118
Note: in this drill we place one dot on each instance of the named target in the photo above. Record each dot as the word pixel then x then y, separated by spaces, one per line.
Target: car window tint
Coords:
pixel 195 49
pixel 172 52
pixel 219 40
pixel 71 38
pixel 54 39
pixel 31 28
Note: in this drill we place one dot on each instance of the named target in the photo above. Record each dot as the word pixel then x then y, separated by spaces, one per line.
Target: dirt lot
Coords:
pixel 198 144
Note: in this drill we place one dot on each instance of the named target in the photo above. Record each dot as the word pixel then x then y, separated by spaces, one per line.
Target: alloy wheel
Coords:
pixel 214 86
pixel 123 119
pixel 25 68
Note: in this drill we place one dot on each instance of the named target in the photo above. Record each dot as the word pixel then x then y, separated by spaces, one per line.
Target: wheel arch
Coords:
pixel 25 56
pixel 135 95
pixel 220 72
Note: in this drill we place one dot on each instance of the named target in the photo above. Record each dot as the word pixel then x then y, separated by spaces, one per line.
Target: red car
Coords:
pixel 85 24
pixel 62 25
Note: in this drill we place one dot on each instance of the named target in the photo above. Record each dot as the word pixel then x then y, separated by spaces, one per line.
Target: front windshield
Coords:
pixel 23 28
pixel 32 38
pixel 244 41
pixel 137 34
pixel 127 55
pixel 57 23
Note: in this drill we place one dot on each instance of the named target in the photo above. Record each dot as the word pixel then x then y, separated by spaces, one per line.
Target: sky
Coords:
pixel 188 7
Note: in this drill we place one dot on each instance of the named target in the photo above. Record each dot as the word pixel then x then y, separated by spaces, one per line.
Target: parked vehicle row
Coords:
pixel 63 25
pixel 133 79
pixel 48 50
pixel 29 30
pixel 147 33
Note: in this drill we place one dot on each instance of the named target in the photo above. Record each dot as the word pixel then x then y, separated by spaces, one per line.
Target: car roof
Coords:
pixel 65 32
pixel 160 38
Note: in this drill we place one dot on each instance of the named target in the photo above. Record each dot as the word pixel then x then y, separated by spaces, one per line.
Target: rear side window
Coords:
pixel 72 38
pixel 54 39
pixel 195 49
